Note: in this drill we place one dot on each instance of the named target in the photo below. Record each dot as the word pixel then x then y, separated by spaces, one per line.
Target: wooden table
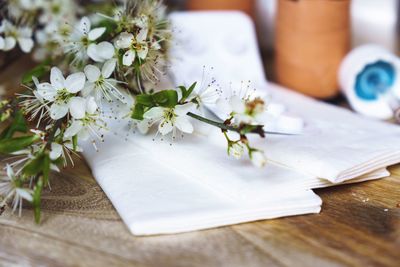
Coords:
pixel 359 226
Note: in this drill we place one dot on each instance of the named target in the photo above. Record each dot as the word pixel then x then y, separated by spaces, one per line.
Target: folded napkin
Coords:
pixel 336 144
pixel 156 192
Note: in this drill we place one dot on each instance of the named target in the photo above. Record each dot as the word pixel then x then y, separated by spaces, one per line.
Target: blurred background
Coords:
pixel 303 42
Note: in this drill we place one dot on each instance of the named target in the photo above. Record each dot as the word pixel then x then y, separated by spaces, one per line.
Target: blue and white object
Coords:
pixel 369 76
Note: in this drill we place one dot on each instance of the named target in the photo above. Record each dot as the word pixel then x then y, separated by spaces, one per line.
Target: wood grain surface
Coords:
pixel 359 226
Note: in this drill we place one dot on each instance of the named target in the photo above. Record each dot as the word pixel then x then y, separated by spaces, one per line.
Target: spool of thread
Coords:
pixel 369 76
pixel 312 37
pixel 246 6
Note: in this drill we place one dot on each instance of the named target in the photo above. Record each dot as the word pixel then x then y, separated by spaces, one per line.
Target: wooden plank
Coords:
pixel 80 227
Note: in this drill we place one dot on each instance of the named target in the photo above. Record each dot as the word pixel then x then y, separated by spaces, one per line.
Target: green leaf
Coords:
pixel 166 98
pixel 38 71
pixel 35 166
pixel 8 146
pixel 191 88
pixel 37 195
pixel 145 100
pixel 186 92
pixel 18 125
pixel 138 112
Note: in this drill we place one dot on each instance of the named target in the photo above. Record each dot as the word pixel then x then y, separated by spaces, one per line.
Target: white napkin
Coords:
pixel 155 191
pixel 336 144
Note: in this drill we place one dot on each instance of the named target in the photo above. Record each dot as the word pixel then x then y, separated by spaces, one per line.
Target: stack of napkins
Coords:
pixel 159 188
pixel 336 144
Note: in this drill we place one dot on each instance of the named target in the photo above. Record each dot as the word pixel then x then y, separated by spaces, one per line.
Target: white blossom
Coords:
pixel 170 119
pixel 10 188
pixel 81 43
pixel 99 83
pixel 245 110
pixel 236 150
pixel 88 125
pixel 61 92
pixel 13 35
pixel 135 46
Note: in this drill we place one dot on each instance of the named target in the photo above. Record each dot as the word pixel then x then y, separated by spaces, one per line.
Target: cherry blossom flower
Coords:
pixel 170 119
pixel 10 187
pixel 88 125
pixel 61 92
pixel 137 46
pixel 81 43
pixel 13 35
pixel 236 150
pixel 99 83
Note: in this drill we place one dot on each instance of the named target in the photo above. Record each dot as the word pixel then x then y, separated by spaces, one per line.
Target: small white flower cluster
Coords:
pixel 173 119
pixel 245 112
pixel 63 97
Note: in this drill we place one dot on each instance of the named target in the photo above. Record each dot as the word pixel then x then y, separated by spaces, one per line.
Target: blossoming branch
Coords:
pixel 93 57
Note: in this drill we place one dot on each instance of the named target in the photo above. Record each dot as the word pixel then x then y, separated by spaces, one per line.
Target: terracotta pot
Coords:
pixel 246 6
pixel 312 38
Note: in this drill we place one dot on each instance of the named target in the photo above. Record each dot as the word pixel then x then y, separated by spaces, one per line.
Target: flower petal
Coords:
pixel 24 194
pixel 26 44
pixel 57 79
pixel 91 105
pixel 237 104
pixel 154 113
pixel 56 151
pixel 75 82
pixel 142 35
pixel 101 52
pixel 77 107
pixel 92 73
pixel 128 58
pixel 88 89
pixel 84 134
pixel 124 40
pixel 58 111
pixel 10 172
pixel 184 125
pixel 143 126
pixel 108 68
pixel 96 33
pixel 46 91
pixel 73 129
pixel 9 43
pixel 142 53
pixel 84 25
pixel 25 32
pixel 165 127
pixel 182 110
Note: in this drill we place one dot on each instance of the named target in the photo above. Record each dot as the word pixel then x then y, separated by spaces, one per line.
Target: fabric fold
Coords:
pixel 336 144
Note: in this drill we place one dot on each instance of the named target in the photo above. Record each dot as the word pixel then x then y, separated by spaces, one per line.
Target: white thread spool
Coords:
pixel 369 76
